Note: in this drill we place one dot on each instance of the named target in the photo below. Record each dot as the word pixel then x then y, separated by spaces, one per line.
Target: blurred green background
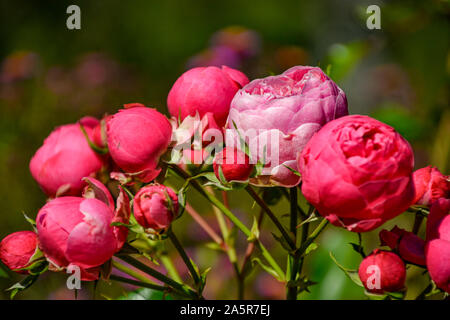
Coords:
pixel 134 51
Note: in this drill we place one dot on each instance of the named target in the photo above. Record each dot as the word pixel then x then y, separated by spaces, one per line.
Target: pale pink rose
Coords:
pixel 289 108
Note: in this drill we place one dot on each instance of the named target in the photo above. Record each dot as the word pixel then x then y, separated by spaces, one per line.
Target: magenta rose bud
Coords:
pixel 410 247
pixel 17 249
pixel 137 137
pixel 155 206
pixel 204 90
pixel 430 185
pixel 235 165
pixel 382 271
pixel 357 172
pixel 65 158
pixel 437 250
pixel 77 231
pixel 290 107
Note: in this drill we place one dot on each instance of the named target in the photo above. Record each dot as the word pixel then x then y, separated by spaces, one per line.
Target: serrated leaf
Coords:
pixel 352 274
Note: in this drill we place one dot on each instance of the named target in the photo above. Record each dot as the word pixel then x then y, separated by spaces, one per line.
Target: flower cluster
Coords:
pixel 108 180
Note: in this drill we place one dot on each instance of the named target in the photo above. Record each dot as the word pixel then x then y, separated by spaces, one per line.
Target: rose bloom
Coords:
pixel 410 247
pixel 437 250
pixel 65 158
pixel 357 172
pixel 382 271
pixel 290 107
pixel 430 185
pixel 205 90
pixel 235 164
pixel 17 249
pixel 78 231
pixel 137 137
pixel 155 206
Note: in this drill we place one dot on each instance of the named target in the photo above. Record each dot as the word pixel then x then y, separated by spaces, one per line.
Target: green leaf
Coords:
pixel 214 246
pixel 30 221
pixel 22 285
pixel 254 231
pixel 146 294
pixel 267 269
pixel 313 246
pixel 352 274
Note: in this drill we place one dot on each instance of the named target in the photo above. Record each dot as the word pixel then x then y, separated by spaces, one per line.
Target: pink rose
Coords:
pixel 290 107
pixel 17 249
pixel 65 158
pixel 410 247
pixel 155 206
pixel 382 271
pixel 137 137
pixel 235 164
pixel 78 231
pixel 204 90
pixel 357 172
pixel 437 250
pixel 430 185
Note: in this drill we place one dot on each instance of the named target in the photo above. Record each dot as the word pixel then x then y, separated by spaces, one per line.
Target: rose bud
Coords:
pixel 437 249
pixel 204 90
pixel 17 249
pixel 430 185
pixel 78 231
pixel 137 137
pixel 382 271
pixel 65 158
pixel 155 206
pixel 235 165
pixel 357 172
pixel 290 107
pixel 410 247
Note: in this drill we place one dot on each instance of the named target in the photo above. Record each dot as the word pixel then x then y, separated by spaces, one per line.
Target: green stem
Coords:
pixel 184 256
pixel 131 272
pixel 183 289
pixel 272 216
pixel 312 237
pixel 293 261
pixel 138 283
pixel 170 267
pixel 233 219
